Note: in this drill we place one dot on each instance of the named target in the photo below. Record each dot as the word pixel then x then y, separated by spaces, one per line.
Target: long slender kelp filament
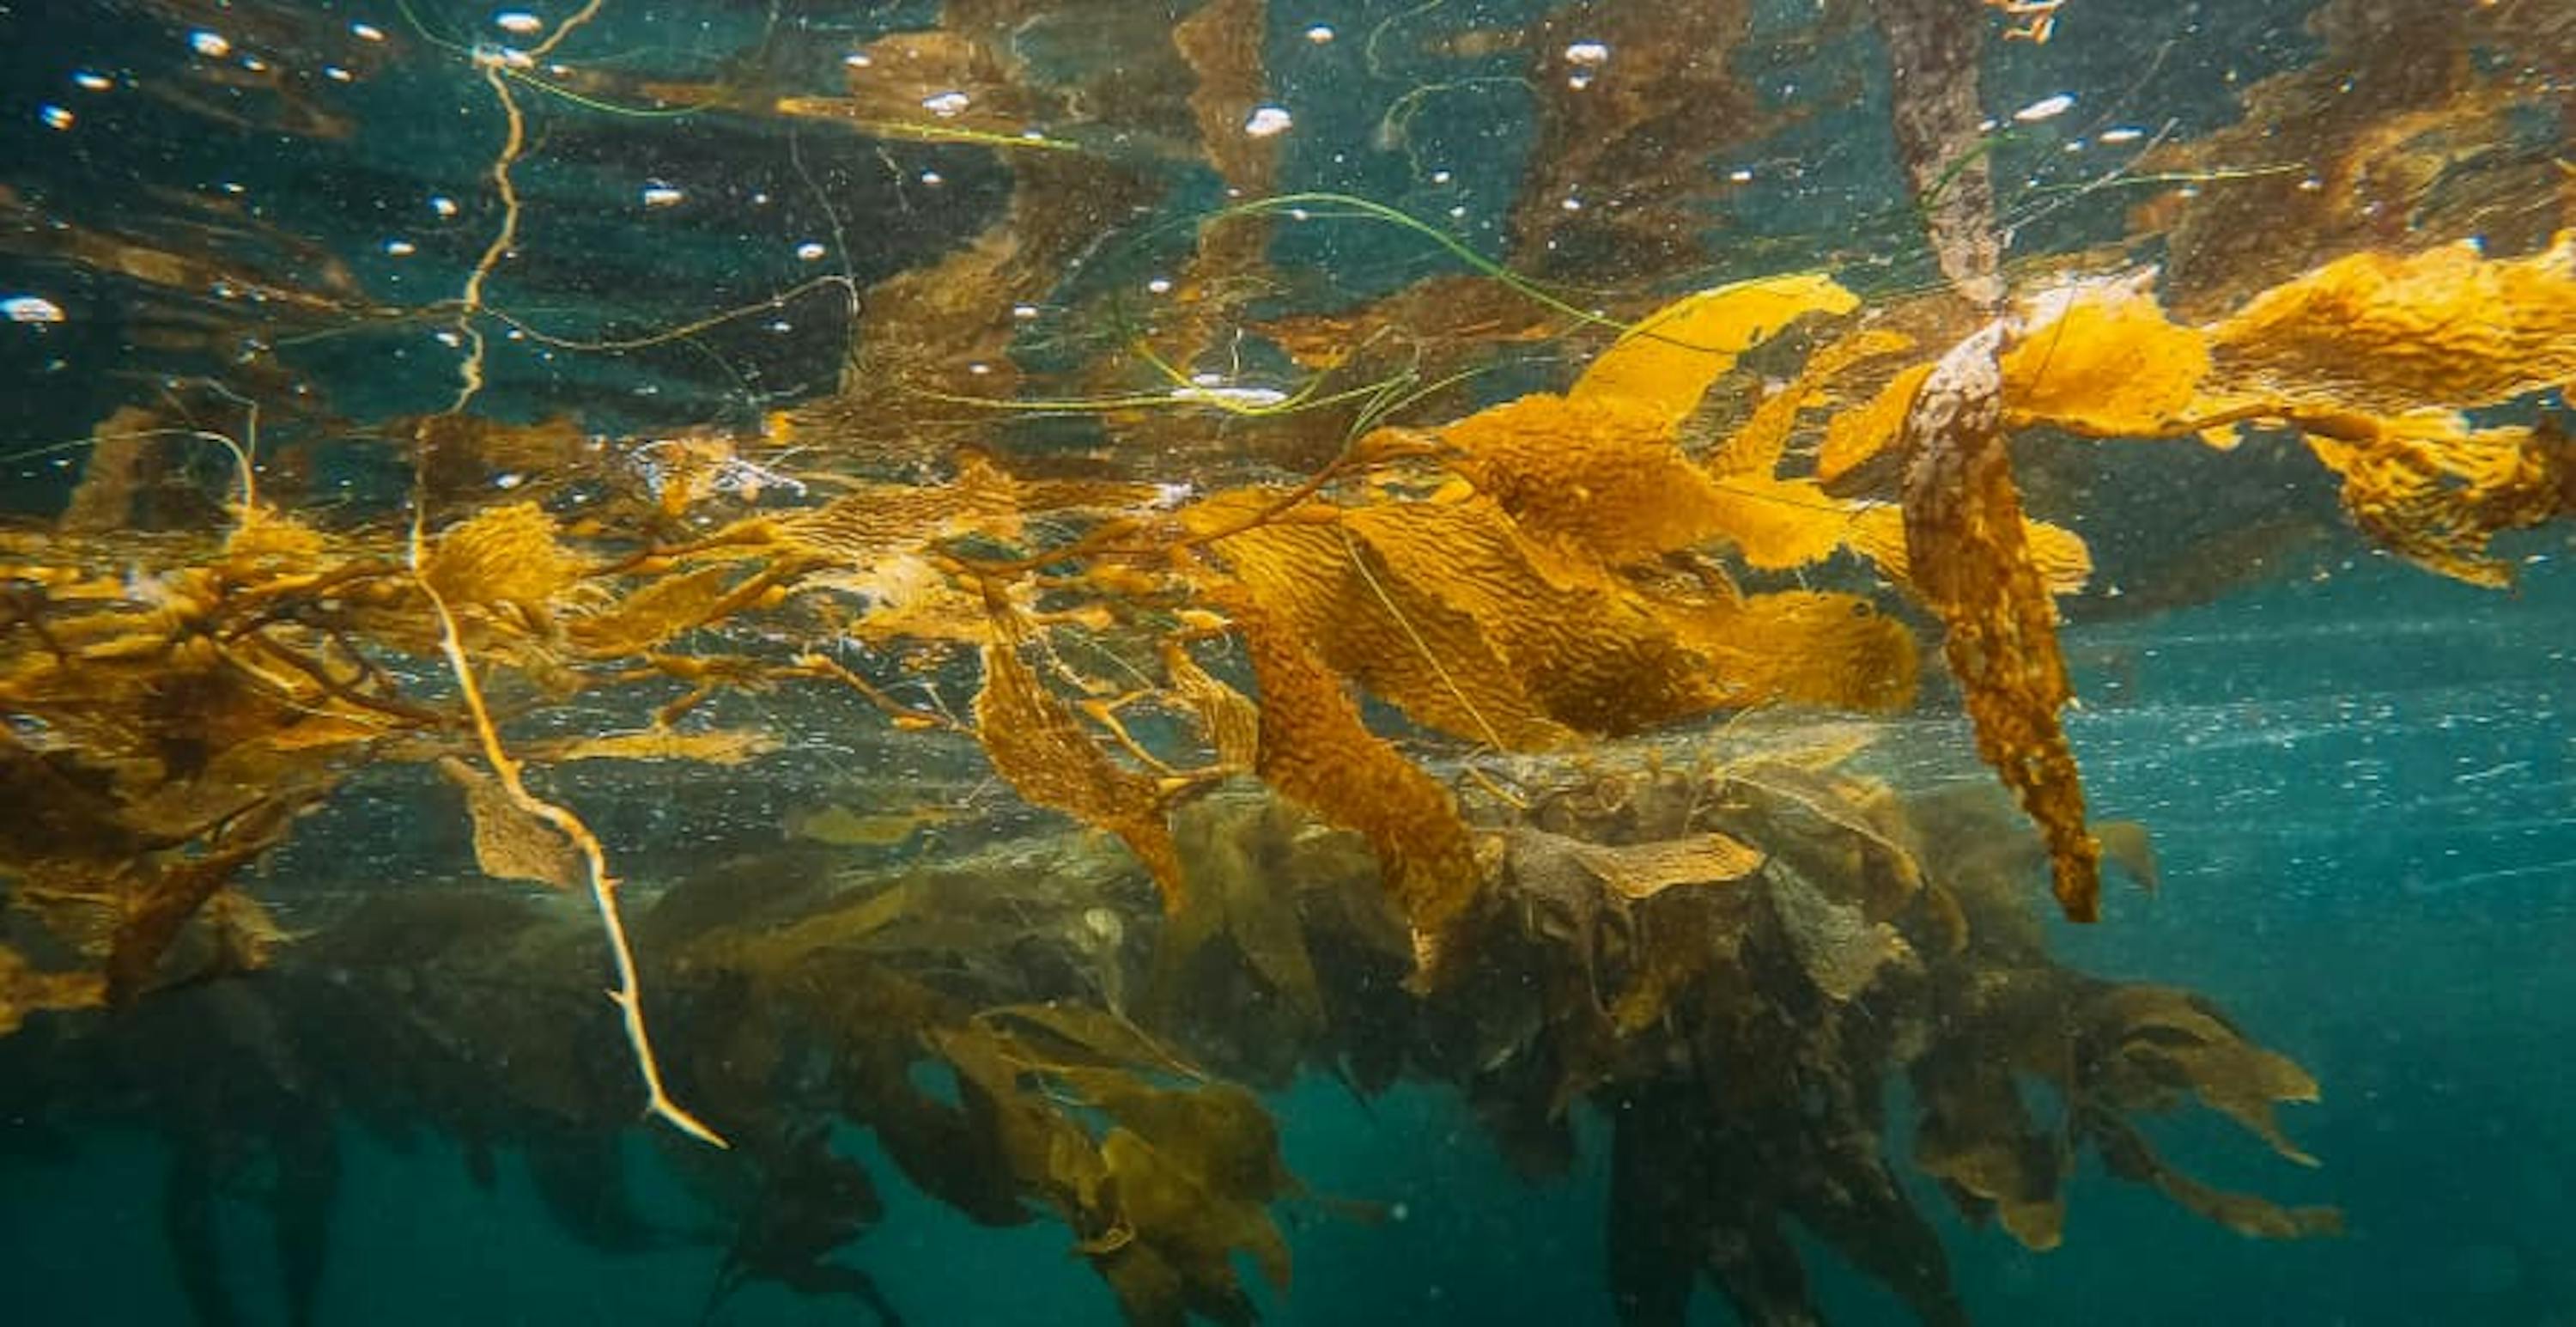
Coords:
pixel 628 994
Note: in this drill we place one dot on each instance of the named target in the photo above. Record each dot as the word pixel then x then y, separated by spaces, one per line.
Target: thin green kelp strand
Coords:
pixel 1354 207
pixel 1183 395
pixel 591 103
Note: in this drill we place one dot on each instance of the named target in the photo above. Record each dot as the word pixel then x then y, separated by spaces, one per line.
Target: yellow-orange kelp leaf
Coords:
pixel 505 555
pixel 509 843
pixel 1038 747
pixel 872 520
pixel 24 990
pixel 1582 645
pixel 660 610
pixel 1414 649
pixel 1315 751
pixel 1802 647
pixel 1609 478
pixel 1639 871
pixel 1756 447
pixel 1230 723
pixel 2445 327
pixel 2064 562
pixel 1854 437
pixel 1970 560
pixel 1602 472
pixel 716 746
pixel 2101 359
pixel 2164 1041
pixel 1665 363
pixel 1447 611
pixel 2436 490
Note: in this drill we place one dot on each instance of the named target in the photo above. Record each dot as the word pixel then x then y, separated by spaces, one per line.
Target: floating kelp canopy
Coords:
pixel 1470 671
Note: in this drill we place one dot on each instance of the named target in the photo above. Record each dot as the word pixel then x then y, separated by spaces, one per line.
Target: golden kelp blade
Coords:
pixel 719 746
pixel 1666 363
pixel 1316 752
pixel 2374 332
pixel 1854 437
pixel 1970 561
pixel 507 555
pixel 1801 647
pixel 2436 490
pixel 1639 871
pixel 1603 473
pixel 24 990
pixel 2369 356
pixel 1380 626
pixel 1230 723
pixel 510 843
pixel 1038 746
pixel 2103 360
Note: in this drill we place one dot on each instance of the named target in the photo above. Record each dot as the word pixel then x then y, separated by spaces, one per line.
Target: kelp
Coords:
pixel 1970 561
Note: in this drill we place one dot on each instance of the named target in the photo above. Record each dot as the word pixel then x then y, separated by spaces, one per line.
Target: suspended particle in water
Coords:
pixel 401 248
pixel 2046 108
pixel 366 32
pixel 442 205
pixel 932 177
pixel 31 309
pixel 336 74
pixel 1267 121
pixel 1319 34
pixel 2124 134
pixel 1161 285
pixel 517 22
pixel 810 251
pixel 1024 312
pixel 87 81
pixel 946 105
pixel 658 194
pixel 210 44
pixel 857 60
pixel 55 117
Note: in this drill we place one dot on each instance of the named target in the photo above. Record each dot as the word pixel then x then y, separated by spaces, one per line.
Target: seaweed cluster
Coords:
pixel 1380 706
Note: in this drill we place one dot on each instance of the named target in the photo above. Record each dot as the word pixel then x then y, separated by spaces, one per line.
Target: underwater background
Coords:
pixel 739 263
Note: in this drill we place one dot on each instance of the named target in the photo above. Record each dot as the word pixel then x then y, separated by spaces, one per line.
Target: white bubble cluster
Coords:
pixel 1267 121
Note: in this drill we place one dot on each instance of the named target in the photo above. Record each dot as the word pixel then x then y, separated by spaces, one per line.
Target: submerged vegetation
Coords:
pixel 1470 676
